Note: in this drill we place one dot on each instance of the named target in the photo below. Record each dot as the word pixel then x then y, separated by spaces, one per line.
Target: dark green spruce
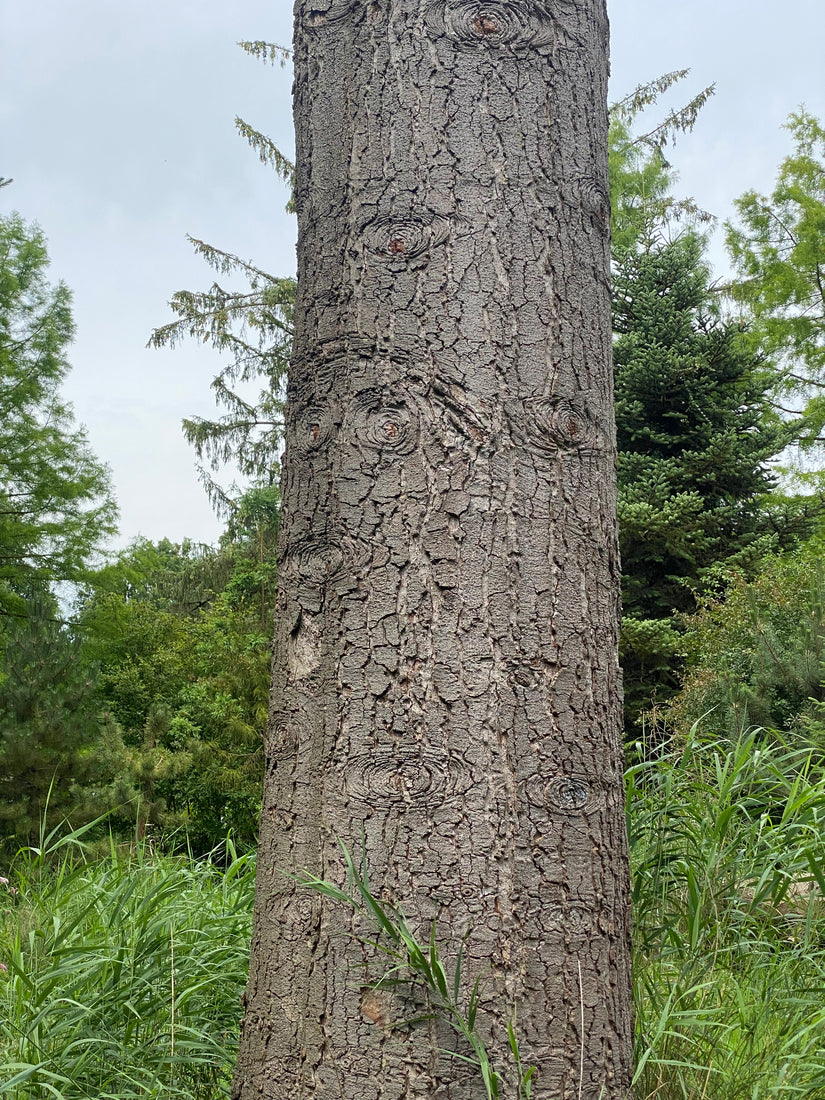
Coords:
pixel 696 437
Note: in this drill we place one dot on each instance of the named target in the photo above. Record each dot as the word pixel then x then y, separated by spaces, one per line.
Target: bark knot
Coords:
pixel 403 235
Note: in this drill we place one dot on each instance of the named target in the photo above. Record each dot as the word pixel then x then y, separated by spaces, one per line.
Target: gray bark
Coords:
pixel 446 690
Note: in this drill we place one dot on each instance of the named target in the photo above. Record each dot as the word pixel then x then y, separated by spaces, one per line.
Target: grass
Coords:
pixel 124 973
pixel 728 855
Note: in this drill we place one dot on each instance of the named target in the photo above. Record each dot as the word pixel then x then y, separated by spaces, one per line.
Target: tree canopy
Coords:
pixel 778 248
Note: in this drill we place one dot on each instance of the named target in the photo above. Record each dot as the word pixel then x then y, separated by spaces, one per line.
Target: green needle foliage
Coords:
pixel 250 322
pixel 696 434
pixel 698 430
pixel 253 326
pixel 418 965
pixel 641 176
pixel 55 497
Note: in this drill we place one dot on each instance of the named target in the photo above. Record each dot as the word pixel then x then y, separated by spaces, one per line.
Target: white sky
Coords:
pixel 116 122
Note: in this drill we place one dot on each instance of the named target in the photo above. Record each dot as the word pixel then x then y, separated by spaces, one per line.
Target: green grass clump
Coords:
pixel 123 976
pixel 728 855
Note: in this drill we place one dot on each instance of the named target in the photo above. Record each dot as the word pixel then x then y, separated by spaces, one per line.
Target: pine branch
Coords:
pixel 226 262
pixel 680 120
pixel 644 95
pixel 267 150
pixel 268 52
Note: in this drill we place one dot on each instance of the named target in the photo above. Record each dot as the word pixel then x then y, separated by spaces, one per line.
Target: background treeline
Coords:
pixel 134 687
pixel 141 685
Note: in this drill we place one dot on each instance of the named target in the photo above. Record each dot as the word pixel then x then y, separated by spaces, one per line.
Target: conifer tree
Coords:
pixel 252 324
pixel 445 676
pixel 696 434
pixel 55 497
pixel 641 176
pixel 56 758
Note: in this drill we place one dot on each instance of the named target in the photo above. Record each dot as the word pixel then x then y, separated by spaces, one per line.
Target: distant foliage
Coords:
pixel 180 635
pixel 57 758
pixel 56 508
pixel 699 428
pixel 250 322
pixel 253 326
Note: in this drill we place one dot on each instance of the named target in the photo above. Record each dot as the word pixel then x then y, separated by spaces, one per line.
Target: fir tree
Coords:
pixel 696 435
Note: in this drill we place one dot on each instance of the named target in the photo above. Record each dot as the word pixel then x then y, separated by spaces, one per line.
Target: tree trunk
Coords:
pixel 446 691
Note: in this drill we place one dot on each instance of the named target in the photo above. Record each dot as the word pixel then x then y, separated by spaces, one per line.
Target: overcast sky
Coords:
pixel 116 122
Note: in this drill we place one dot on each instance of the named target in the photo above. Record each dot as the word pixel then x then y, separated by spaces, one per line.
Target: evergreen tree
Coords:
pixel 254 326
pixel 696 434
pixel 641 176
pixel 445 675
pixel 252 323
pixel 56 759
pixel 55 497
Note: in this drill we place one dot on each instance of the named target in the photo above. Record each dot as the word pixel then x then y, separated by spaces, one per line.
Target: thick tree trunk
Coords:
pixel 446 692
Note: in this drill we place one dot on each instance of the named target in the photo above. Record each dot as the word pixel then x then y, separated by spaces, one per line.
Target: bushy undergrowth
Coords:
pixel 124 974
